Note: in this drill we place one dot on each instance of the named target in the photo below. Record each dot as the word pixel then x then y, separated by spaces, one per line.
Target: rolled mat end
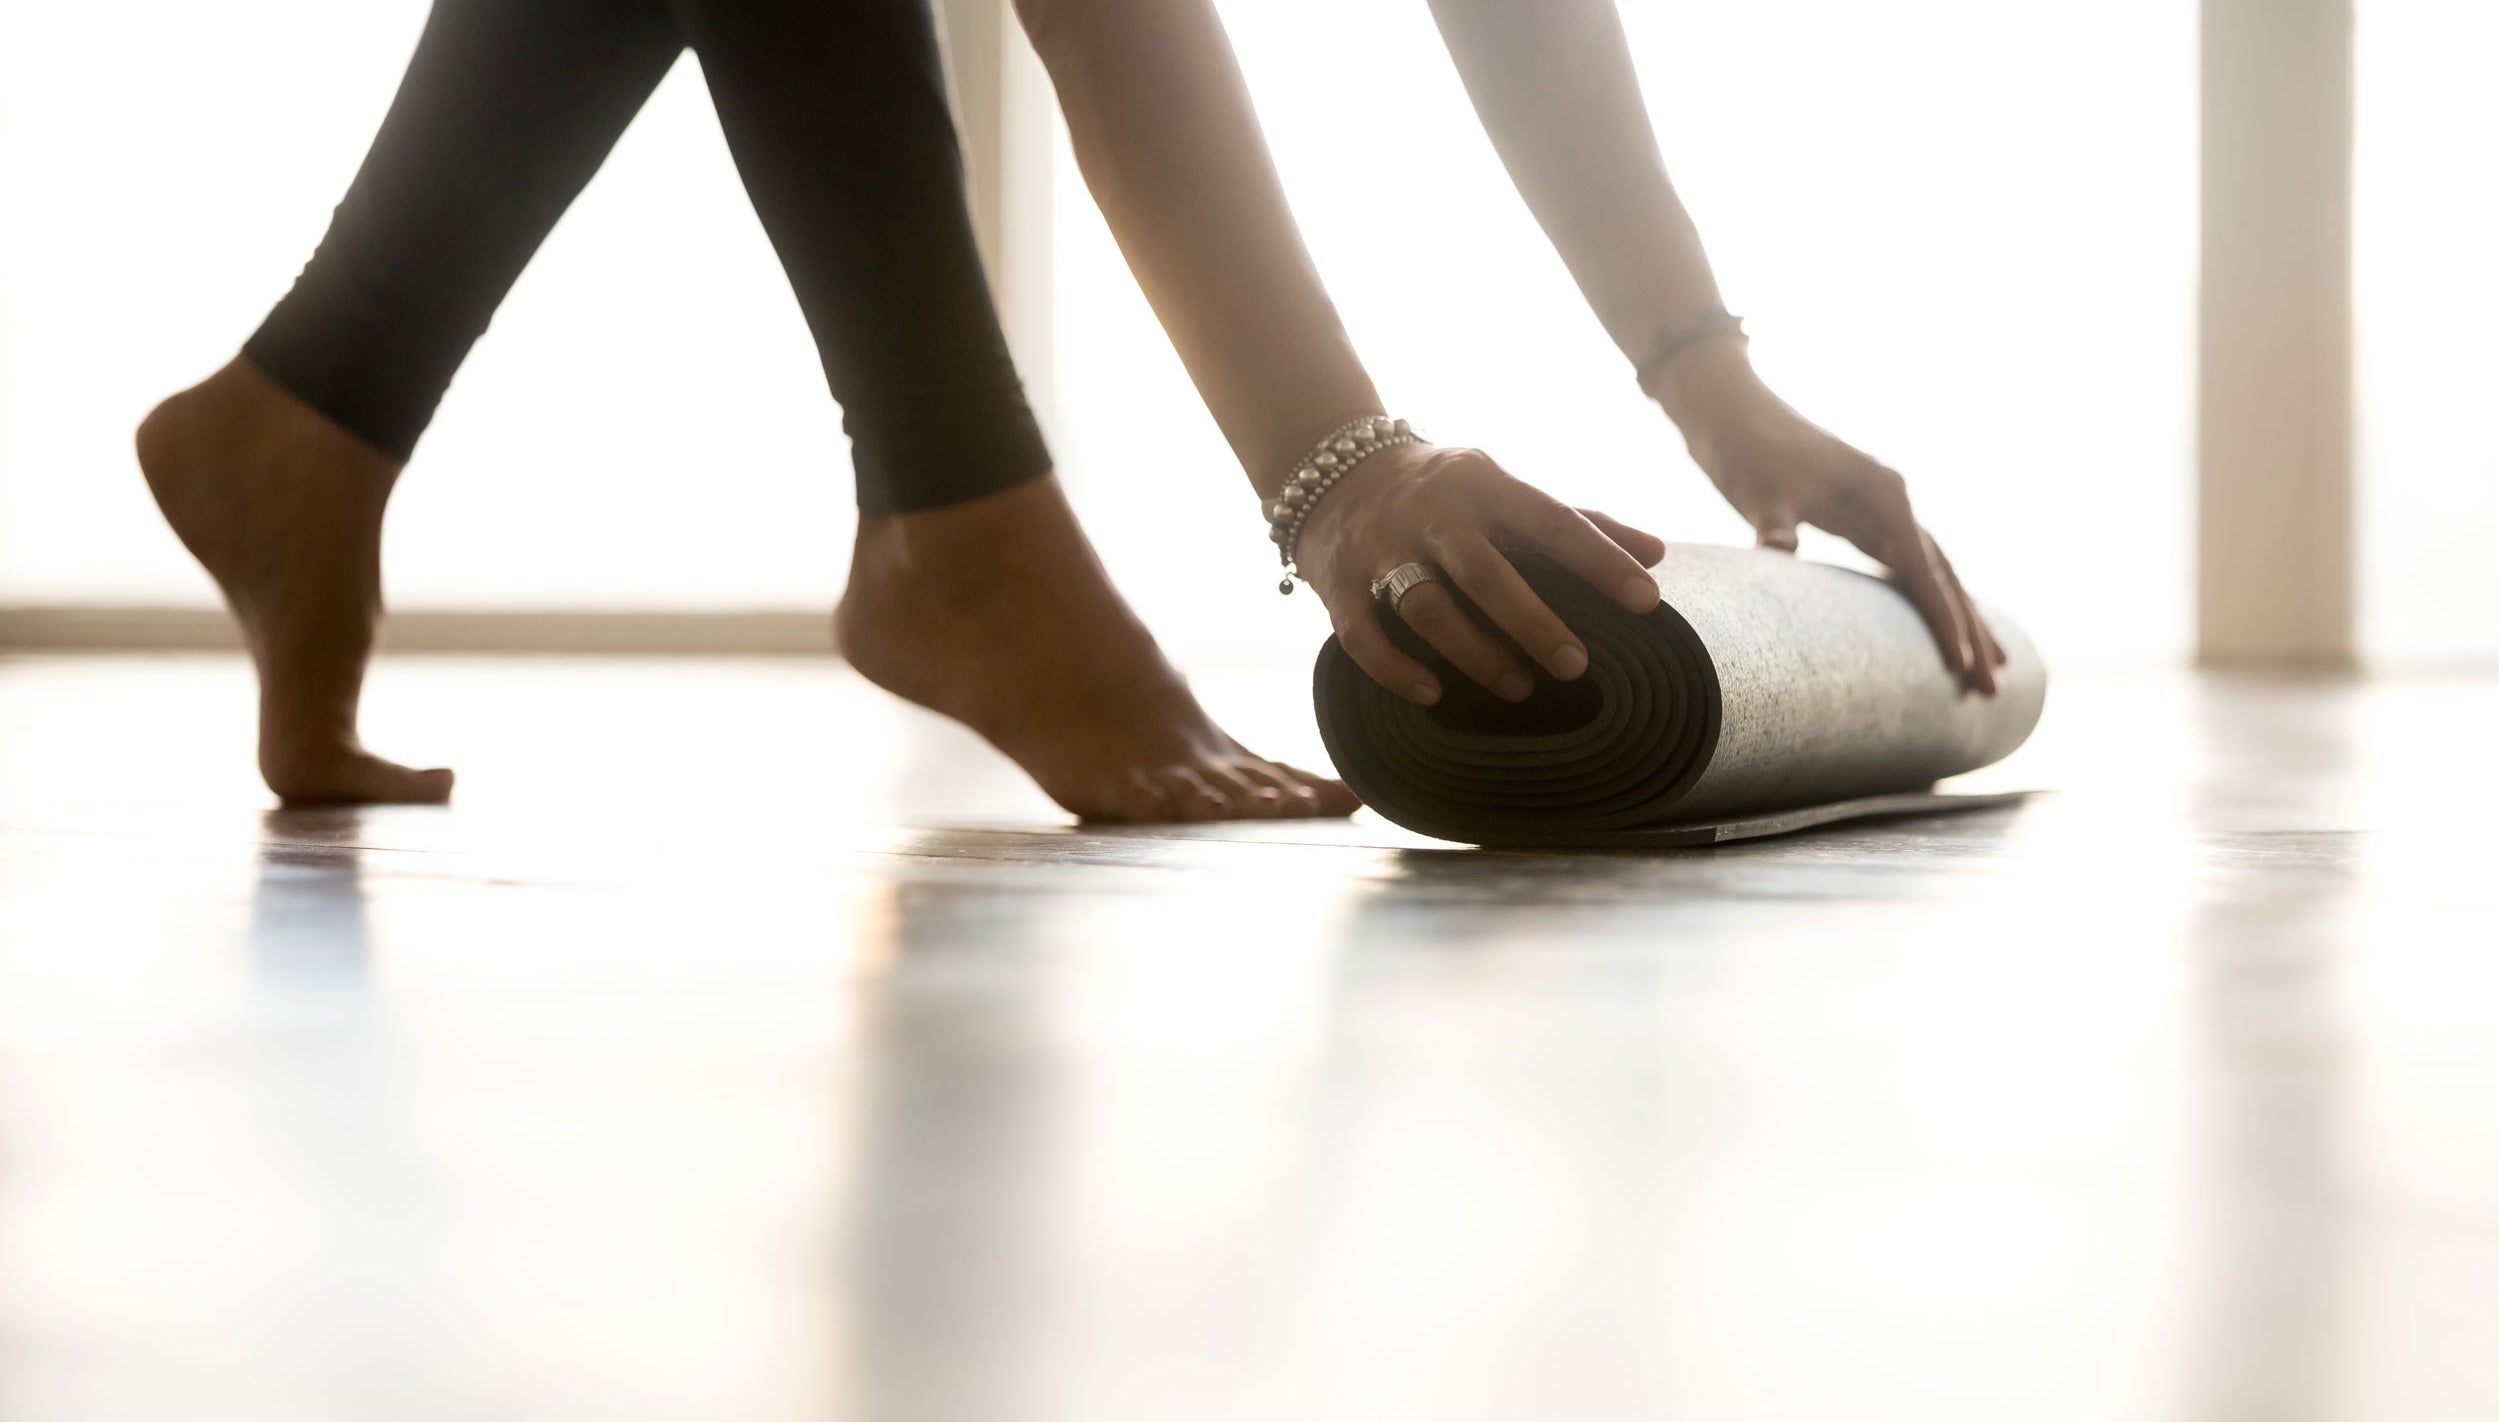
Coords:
pixel 1761 688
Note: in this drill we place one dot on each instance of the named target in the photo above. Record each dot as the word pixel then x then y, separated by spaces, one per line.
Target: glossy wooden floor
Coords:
pixel 744 1047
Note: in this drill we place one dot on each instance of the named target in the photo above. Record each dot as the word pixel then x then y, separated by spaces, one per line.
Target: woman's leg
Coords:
pixel 276 470
pixel 507 110
pixel 836 112
pixel 972 589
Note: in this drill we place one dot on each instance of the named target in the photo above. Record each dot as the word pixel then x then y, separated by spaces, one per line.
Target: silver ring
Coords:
pixel 1401 580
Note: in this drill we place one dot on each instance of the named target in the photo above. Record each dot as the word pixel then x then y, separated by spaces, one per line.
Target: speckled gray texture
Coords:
pixel 1830 687
pixel 1764 685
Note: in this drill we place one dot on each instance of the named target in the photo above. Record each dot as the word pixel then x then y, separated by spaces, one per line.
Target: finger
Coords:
pixel 1558 529
pixel 1435 617
pixel 1986 653
pixel 1989 648
pixel 1642 545
pixel 1777 532
pixel 1965 613
pixel 1513 606
pixel 1923 581
pixel 1982 638
pixel 1877 518
pixel 1367 643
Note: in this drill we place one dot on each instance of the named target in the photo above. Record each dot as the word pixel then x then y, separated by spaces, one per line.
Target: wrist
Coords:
pixel 1711 379
pixel 1272 471
pixel 1340 456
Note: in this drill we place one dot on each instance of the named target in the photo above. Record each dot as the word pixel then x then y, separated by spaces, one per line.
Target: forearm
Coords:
pixel 1171 149
pixel 1554 85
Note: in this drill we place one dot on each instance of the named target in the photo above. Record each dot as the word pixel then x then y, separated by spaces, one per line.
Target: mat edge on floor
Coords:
pixel 1707 833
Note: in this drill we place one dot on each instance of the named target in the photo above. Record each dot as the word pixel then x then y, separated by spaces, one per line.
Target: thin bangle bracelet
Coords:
pixel 1713 321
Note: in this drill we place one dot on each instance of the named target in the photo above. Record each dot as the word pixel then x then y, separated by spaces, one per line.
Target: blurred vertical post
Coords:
pixel 1005 111
pixel 2275 577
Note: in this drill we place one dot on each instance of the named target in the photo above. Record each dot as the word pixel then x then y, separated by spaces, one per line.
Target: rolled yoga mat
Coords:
pixel 1765 694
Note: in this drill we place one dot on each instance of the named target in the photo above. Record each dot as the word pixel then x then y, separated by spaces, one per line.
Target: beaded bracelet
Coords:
pixel 1328 461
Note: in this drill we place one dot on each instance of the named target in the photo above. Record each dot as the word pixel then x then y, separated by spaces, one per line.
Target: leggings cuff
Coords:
pixel 971 457
pixel 376 376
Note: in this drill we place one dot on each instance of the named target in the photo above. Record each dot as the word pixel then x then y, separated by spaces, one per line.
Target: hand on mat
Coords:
pixel 1780 469
pixel 1455 510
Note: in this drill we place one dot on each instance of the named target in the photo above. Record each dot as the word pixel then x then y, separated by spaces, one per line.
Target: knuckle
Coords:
pixel 1551 521
pixel 1458 474
pixel 1357 625
pixel 1886 485
pixel 1537 635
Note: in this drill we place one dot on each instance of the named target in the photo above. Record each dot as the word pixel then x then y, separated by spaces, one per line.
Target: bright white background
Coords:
pixel 1963 232
pixel 2427 279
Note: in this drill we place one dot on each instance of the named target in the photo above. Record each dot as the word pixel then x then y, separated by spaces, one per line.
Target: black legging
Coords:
pixel 836 113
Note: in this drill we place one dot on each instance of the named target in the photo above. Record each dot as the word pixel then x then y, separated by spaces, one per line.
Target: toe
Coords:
pixel 1300 801
pixel 384 782
pixel 1193 797
pixel 1252 798
pixel 359 779
pixel 1139 800
pixel 1150 801
pixel 1334 799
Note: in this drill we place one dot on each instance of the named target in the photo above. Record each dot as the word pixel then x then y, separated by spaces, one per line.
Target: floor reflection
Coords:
pixel 311 928
pixel 2270 937
pixel 1081 1132
pixel 2164 1097
pixel 945 1224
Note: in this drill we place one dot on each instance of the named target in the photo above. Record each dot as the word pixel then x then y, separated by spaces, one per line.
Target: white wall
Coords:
pixel 2426 268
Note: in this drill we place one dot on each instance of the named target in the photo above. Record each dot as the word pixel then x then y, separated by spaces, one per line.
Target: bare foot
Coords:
pixel 996 613
pixel 284 509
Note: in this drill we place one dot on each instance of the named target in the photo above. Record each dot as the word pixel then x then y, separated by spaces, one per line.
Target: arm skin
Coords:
pixel 1171 150
pixel 1553 82
pixel 1170 147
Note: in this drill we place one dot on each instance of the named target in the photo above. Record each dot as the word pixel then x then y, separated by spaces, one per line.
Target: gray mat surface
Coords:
pixel 1767 694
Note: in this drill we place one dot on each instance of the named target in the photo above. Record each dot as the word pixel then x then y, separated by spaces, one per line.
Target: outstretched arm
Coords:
pixel 1554 85
pixel 1171 149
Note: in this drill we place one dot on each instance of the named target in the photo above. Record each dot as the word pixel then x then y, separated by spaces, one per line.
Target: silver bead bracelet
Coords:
pixel 1328 461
